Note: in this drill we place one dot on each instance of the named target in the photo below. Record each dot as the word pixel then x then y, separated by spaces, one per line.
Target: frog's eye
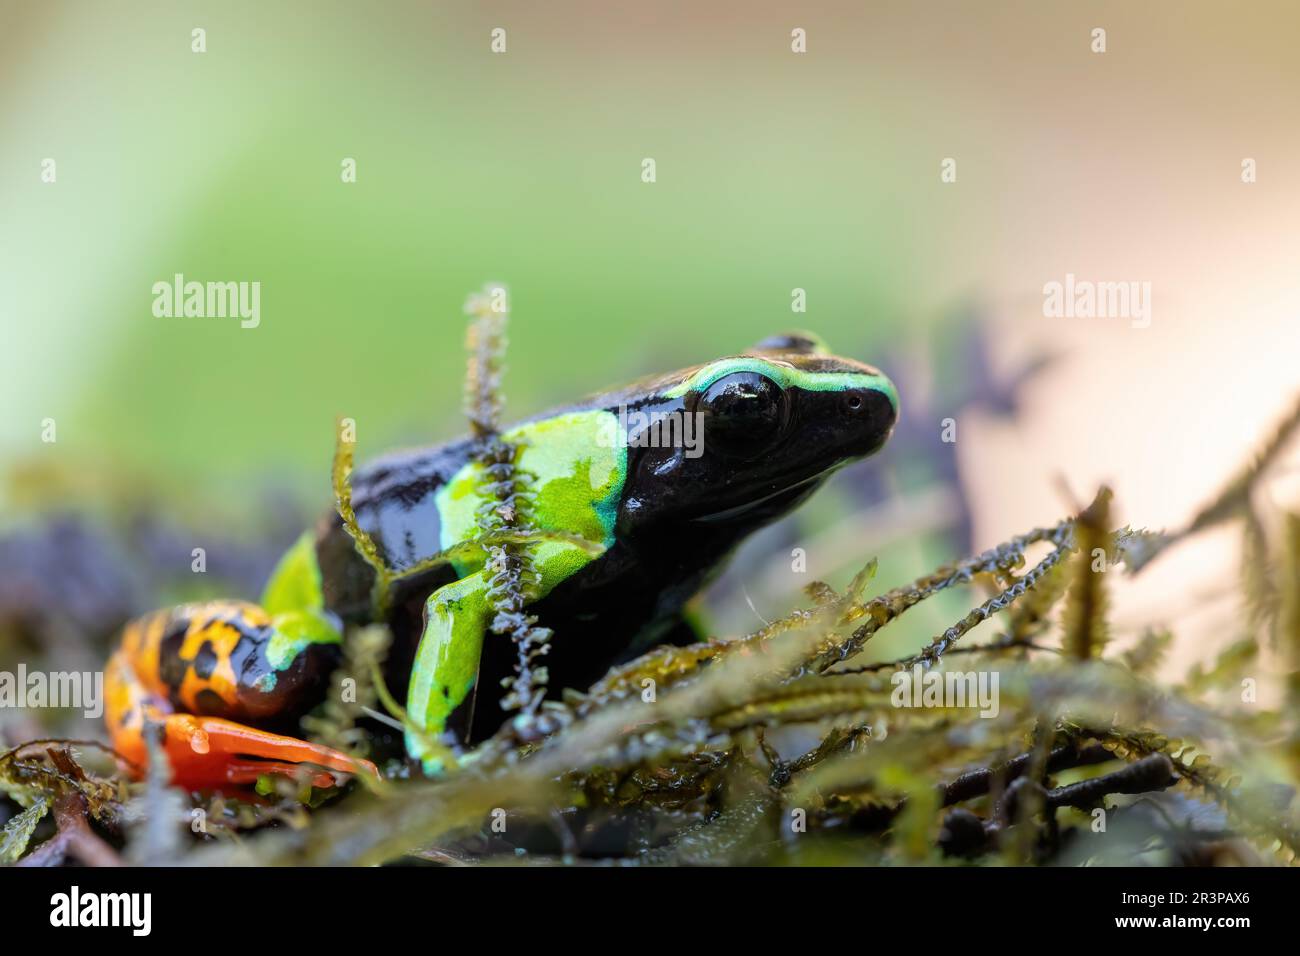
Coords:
pixel 744 412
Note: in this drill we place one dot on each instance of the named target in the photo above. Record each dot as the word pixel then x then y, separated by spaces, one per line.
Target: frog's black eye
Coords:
pixel 744 413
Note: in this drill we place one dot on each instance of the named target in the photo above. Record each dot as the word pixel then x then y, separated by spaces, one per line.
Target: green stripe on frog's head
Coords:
pixel 820 373
pixel 771 424
pixel 800 361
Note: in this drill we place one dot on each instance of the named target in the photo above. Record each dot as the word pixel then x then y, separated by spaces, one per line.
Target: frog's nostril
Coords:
pixel 879 413
pixel 854 402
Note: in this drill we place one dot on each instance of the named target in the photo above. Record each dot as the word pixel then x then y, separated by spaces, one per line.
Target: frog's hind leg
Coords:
pixel 198 671
pixel 211 751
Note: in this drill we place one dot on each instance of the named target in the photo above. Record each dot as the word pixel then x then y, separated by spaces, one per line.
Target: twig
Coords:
pixel 73 838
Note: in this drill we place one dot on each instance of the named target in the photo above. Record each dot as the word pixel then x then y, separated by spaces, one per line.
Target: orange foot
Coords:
pixel 209 752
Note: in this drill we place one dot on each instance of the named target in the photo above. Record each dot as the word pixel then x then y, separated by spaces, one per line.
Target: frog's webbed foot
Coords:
pixel 208 752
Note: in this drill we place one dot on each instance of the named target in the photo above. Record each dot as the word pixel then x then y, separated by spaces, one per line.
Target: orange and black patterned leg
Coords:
pixel 199 671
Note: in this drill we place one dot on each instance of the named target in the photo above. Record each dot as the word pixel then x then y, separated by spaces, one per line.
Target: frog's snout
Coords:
pixel 870 412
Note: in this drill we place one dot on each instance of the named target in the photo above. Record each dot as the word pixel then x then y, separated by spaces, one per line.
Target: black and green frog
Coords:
pixel 637 526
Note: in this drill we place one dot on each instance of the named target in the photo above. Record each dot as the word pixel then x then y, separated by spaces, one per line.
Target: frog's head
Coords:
pixel 761 431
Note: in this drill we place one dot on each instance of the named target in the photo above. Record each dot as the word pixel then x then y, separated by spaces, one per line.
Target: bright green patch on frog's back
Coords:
pixel 573 466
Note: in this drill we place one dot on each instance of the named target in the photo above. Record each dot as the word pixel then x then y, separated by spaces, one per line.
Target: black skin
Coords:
pixel 765 452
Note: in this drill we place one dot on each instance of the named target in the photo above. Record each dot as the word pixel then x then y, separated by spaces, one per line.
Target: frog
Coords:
pixel 637 497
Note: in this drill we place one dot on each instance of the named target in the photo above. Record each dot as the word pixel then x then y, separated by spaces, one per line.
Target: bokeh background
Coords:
pixel 774 171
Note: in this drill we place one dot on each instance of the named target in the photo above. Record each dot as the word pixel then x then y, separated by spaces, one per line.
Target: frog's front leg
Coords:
pixel 456 617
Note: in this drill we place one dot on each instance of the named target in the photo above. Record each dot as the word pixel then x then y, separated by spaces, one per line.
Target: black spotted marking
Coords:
pixel 250 666
pixel 171 666
pixel 206 660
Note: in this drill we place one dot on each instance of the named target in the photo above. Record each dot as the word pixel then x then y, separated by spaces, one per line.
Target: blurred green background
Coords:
pixel 522 168
pixel 774 171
